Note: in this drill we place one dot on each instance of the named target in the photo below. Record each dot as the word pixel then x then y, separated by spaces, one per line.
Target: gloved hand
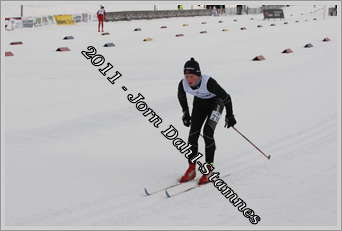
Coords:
pixel 230 121
pixel 186 118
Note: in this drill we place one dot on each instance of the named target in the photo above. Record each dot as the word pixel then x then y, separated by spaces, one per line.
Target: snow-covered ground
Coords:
pixel 76 152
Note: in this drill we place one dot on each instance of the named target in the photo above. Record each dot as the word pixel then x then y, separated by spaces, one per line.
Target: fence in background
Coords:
pixel 134 15
pixel 242 11
pixel 31 22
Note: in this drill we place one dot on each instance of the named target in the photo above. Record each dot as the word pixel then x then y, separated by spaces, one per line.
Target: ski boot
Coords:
pixel 189 174
pixel 205 178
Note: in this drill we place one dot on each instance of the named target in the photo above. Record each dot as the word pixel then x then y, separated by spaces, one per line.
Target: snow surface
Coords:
pixel 76 152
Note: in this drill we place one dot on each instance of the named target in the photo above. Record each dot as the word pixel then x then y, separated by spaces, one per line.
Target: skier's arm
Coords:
pixel 182 97
pixel 184 104
pixel 216 89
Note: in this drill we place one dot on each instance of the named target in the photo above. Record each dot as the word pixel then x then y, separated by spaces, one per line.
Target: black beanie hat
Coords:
pixel 192 67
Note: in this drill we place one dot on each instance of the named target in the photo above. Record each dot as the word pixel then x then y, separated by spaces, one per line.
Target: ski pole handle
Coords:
pixel 267 156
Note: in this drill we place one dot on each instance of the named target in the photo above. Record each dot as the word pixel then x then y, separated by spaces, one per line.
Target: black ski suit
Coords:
pixel 206 111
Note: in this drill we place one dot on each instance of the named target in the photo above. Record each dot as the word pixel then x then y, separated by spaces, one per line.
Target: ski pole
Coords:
pixel 267 156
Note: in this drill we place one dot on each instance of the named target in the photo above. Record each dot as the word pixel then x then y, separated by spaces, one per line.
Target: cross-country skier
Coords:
pixel 208 103
pixel 100 17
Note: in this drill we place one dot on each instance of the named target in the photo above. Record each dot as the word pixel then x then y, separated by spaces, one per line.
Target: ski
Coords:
pixel 168 195
pixel 147 193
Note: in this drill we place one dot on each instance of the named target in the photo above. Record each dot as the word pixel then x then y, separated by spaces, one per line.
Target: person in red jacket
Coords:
pixel 100 16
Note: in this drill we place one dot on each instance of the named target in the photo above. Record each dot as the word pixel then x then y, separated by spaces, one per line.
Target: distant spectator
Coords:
pixel 214 11
pixel 100 16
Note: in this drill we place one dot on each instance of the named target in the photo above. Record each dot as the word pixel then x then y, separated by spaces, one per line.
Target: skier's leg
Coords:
pixel 198 117
pixel 102 24
pixel 208 135
pixel 208 131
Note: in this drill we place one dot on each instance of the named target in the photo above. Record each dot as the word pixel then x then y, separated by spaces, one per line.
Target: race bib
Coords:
pixel 215 116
